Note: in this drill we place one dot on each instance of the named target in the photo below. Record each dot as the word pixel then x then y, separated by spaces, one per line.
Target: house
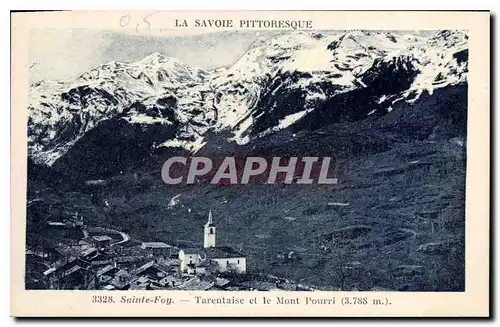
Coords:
pixel 222 258
pixel 202 268
pixel 40 253
pixel 173 264
pixel 221 282
pixel 73 261
pixel 72 224
pixel 196 284
pixel 89 254
pixel 170 281
pixel 106 273
pixel 100 241
pixel 75 277
pixel 157 248
pixel 152 270
pixel 74 274
pixel 75 221
pixel 146 283
pixel 226 259
pixel 80 245
pixel 189 256
pixel 55 253
pixel 143 283
pixel 122 280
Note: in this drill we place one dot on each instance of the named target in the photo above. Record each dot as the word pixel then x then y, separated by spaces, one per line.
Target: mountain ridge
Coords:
pixel 288 81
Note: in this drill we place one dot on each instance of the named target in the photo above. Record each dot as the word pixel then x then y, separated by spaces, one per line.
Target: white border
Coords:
pixel 190 5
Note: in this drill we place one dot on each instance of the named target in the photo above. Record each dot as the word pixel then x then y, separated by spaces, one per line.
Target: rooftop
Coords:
pixel 155 245
pixel 72 270
pixel 222 252
pixel 74 261
pixel 142 268
pixel 123 273
pixel 106 270
pixel 101 238
pixel 150 264
pixel 55 223
pixel 49 271
pixel 196 284
pixel 122 279
pixel 192 250
pixel 87 252
pixel 215 252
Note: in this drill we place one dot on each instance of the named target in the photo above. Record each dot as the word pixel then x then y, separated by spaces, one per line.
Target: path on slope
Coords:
pixel 125 237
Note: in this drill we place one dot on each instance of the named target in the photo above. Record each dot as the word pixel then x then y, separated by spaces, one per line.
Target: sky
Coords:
pixel 65 54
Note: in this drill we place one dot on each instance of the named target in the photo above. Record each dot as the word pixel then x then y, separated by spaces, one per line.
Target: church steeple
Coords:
pixel 209 232
pixel 210 220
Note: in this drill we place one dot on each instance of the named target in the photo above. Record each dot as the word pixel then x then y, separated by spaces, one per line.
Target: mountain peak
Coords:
pixel 157 57
pixel 448 38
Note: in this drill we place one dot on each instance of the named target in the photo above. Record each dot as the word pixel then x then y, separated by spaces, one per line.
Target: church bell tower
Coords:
pixel 209 239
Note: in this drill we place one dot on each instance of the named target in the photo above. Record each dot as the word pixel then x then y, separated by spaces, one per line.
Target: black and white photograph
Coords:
pixel 287 159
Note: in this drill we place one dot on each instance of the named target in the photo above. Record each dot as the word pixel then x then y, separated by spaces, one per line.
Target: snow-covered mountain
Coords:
pixel 61 112
pixel 285 79
pixel 297 80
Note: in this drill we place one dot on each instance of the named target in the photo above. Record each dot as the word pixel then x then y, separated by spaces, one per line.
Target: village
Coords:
pixel 95 258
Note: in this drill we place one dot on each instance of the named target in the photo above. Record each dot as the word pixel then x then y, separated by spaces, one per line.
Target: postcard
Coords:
pixel 257 163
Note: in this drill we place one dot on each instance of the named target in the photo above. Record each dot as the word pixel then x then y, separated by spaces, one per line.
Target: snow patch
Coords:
pixel 192 146
pixel 286 122
pixel 174 201
pixel 311 60
pixel 339 204
pixel 145 119
pixel 291 119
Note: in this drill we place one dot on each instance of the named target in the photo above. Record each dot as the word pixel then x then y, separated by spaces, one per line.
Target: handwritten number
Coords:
pixel 125 20
pixel 145 18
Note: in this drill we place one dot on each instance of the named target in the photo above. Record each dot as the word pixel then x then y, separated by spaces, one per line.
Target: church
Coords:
pixel 222 258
